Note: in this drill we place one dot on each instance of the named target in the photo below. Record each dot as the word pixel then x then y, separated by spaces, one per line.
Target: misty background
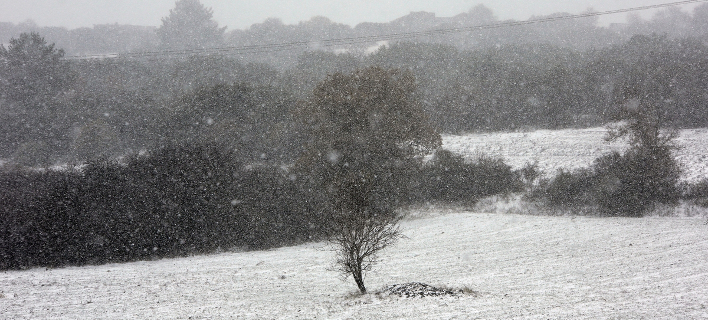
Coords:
pixel 555 74
pixel 74 14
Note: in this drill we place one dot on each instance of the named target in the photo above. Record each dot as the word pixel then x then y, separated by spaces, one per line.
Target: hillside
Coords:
pixel 571 149
pixel 523 267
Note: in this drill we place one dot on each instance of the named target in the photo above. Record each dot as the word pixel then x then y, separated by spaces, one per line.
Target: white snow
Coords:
pixel 521 266
pixel 572 149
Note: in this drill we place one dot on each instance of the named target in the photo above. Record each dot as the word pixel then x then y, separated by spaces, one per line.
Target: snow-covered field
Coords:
pixel 572 148
pixel 521 266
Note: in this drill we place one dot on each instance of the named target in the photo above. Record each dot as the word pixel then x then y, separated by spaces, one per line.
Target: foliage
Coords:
pixel 664 75
pixel 529 174
pixel 696 192
pixel 486 88
pixel 636 181
pixel 190 26
pixel 542 85
pixel 648 173
pixel 177 200
pixel 626 184
pixel 31 71
pixel 617 184
pixel 32 76
pixel 367 130
pixel 96 139
pixel 566 189
pixel 449 178
pixel 253 120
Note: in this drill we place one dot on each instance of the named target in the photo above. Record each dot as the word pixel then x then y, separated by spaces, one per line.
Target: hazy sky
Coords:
pixel 240 14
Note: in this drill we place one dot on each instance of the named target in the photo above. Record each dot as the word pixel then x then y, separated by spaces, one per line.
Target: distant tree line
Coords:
pixel 109 107
pixel 57 111
pixel 190 25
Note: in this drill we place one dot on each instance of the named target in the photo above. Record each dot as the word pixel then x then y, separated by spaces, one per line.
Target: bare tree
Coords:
pixel 359 238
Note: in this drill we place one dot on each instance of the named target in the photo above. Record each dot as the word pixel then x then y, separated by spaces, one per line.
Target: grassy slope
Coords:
pixel 522 266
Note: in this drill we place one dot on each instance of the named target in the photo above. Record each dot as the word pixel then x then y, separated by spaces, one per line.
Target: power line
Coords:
pixel 274 47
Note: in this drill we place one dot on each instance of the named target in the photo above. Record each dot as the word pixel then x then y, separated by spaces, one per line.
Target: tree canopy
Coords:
pixel 190 26
pixel 366 128
pixel 31 69
pixel 367 131
pixel 32 76
pixel 369 115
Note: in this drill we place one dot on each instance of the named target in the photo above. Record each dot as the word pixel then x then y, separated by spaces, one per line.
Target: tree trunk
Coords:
pixel 359 280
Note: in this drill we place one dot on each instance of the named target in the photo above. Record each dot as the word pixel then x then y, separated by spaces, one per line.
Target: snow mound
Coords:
pixel 417 289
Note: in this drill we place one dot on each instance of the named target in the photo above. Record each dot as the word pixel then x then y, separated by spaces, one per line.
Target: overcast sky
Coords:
pixel 240 14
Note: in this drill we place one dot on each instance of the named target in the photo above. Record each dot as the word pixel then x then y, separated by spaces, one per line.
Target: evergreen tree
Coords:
pixel 31 70
pixel 33 122
pixel 190 26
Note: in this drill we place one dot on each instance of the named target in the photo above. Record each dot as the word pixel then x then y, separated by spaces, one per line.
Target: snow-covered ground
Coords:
pixel 572 148
pixel 521 266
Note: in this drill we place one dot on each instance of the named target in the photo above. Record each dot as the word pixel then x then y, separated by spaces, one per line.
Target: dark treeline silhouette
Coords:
pixel 177 200
pixel 525 77
pixel 100 39
pixel 109 107
pixel 191 199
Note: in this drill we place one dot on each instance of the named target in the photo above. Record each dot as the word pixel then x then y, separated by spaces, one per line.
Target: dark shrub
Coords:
pixel 36 208
pixel 631 184
pixel 696 192
pixel 619 185
pixel 529 174
pixel 278 212
pixel 567 189
pixel 189 192
pixel 448 177
pixel 177 200
pixel 492 176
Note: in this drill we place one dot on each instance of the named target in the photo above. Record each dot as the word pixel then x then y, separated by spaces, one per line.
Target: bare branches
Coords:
pixel 359 237
pixel 643 125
